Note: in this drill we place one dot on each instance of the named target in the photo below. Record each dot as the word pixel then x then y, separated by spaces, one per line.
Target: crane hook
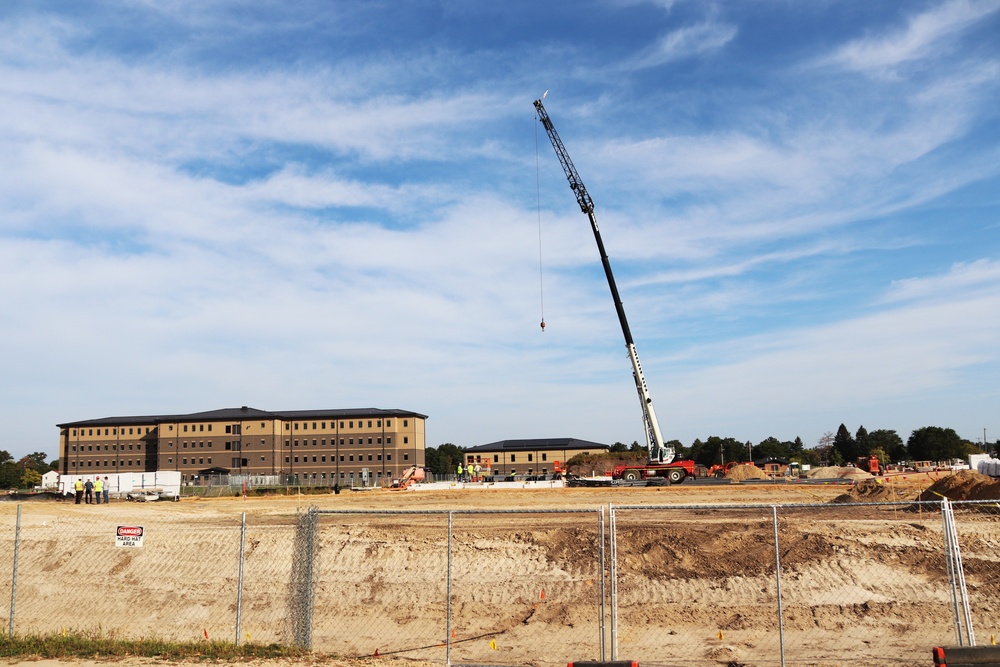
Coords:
pixel 543 324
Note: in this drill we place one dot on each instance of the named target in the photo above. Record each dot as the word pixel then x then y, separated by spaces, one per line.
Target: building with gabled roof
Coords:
pixel 322 447
pixel 535 456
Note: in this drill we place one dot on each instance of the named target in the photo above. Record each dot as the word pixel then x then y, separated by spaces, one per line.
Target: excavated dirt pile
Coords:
pixel 834 472
pixel 874 490
pixel 963 485
pixel 739 473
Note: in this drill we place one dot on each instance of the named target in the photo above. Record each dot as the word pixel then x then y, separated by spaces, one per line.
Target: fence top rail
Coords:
pixel 591 510
pixel 898 503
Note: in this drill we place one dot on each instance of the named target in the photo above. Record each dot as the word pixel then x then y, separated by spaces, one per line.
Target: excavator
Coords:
pixel 660 462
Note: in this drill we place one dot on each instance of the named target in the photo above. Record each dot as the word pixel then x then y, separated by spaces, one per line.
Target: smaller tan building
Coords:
pixel 538 456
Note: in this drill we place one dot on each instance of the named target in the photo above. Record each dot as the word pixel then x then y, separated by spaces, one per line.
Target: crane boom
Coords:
pixel 659 451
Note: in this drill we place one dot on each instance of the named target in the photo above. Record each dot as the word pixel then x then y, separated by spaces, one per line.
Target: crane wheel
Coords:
pixel 676 475
pixel 631 475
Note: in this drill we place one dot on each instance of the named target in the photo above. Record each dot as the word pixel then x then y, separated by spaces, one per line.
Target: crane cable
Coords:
pixel 538 190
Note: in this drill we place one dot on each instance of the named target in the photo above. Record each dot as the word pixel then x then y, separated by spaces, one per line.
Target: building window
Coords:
pixel 406 439
pixel 513 457
pixel 529 458
pixel 229 428
pixel 388 457
pixel 545 457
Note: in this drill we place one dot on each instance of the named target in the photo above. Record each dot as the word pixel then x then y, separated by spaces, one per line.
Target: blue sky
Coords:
pixel 351 204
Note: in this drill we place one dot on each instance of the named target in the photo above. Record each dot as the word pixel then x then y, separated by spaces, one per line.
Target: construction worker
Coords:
pixel 479 472
pixel 461 471
pixel 78 487
pixel 470 473
pixel 98 489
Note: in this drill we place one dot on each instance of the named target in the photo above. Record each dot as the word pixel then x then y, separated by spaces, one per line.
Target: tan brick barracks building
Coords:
pixel 322 447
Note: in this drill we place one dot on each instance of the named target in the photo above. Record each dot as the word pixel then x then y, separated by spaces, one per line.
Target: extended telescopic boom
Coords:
pixel 659 452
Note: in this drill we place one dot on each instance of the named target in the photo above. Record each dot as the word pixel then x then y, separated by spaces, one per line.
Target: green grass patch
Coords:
pixel 91 646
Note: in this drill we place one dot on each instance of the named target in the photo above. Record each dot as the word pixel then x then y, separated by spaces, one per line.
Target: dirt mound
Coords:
pixel 739 473
pixel 873 490
pixel 832 472
pixel 963 485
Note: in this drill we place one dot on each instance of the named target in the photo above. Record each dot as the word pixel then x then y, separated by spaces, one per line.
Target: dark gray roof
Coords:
pixel 538 444
pixel 243 413
pixel 760 463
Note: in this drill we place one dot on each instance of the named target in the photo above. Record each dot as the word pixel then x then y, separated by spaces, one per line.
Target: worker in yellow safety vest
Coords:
pixel 78 487
pixel 98 488
pixel 461 471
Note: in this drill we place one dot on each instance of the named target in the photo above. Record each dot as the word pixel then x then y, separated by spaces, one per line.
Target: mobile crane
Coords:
pixel 660 461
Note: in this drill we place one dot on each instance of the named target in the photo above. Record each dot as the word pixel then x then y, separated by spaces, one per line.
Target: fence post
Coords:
pixel 447 623
pixel 13 583
pixel 777 576
pixel 303 577
pixel 610 574
pixel 239 579
pixel 956 576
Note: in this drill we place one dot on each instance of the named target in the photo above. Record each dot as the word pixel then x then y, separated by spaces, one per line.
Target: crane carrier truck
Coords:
pixel 660 463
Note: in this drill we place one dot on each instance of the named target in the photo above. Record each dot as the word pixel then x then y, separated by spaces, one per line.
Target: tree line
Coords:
pixel 930 443
pixel 25 473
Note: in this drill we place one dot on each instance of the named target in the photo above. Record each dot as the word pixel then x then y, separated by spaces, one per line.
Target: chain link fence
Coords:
pixel 880 583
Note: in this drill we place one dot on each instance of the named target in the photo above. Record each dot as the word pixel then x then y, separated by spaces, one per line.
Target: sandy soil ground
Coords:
pixel 710 573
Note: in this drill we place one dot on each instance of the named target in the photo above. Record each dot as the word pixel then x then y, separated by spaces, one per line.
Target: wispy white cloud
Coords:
pixel 924 33
pixel 686 42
